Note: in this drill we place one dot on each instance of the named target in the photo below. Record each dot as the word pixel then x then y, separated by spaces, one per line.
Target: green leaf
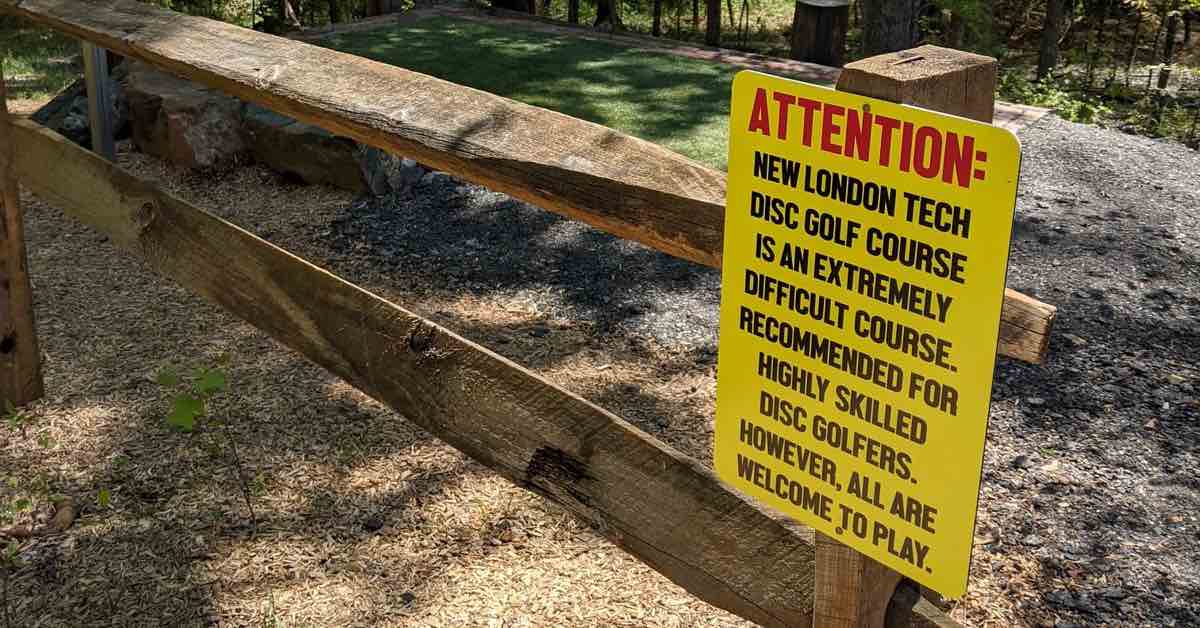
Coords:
pixel 211 382
pixel 184 412
pixel 168 378
pixel 103 498
pixel 21 504
pixel 44 441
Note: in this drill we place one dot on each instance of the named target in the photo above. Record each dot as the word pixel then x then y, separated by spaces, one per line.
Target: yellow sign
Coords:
pixel 866 245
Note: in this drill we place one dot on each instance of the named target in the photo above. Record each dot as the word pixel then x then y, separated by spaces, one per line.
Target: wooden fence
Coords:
pixel 659 505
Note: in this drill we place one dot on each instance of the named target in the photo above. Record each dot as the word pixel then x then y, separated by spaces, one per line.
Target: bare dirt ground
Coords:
pixel 1090 498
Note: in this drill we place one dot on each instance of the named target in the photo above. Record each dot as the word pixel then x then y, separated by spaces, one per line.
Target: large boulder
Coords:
pixel 302 150
pixel 181 121
pixel 67 113
pixel 385 173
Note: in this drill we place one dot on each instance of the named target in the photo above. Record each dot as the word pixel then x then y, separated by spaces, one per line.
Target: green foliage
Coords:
pixel 10 556
pixel 190 404
pixel 17 496
pixel 14 418
pixel 191 412
pixel 1061 96
pixel 1161 115
pixel 38 62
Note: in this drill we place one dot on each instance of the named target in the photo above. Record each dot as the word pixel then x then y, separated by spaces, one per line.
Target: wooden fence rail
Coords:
pixel 663 507
pixel 626 186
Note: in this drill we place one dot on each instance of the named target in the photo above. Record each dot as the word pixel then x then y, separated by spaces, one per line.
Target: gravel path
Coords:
pixel 1092 462
pixel 1091 494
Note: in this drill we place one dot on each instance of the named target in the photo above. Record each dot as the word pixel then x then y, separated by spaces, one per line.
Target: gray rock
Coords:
pixel 181 121
pixel 307 152
pixel 67 113
pixel 77 128
pixel 435 177
pixel 1075 341
pixel 387 174
pixel 1023 461
pixel 1060 598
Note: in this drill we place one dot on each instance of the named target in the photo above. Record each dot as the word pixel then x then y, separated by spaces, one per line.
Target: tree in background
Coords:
pixel 712 32
pixel 968 24
pixel 1168 53
pixel 890 25
pixel 609 12
pixel 1048 50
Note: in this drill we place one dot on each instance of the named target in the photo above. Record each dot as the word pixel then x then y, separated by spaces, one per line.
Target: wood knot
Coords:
pixel 144 216
pixel 557 473
pixel 420 339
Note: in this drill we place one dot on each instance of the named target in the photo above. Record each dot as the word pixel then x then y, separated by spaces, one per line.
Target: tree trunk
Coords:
pixel 335 11
pixel 956 29
pixel 1164 77
pixel 573 11
pixel 1048 53
pixel 1137 32
pixel 712 33
pixel 1162 24
pixel 374 7
pixel 656 25
pixel 289 15
pixel 695 16
pixel 1100 30
pixel 890 25
pixel 609 11
pixel 819 33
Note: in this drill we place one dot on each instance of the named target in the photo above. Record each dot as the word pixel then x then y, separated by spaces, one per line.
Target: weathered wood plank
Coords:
pixel 850 590
pixel 20 359
pixel 628 187
pixel 100 99
pixel 661 506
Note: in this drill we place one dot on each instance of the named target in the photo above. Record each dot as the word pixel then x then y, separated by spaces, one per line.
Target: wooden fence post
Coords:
pixel 850 589
pixel 100 100
pixel 941 79
pixel 20 361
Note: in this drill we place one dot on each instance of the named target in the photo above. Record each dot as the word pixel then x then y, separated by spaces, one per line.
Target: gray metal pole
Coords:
pixel 100 100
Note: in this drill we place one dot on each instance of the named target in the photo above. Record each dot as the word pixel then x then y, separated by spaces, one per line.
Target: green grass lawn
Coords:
pixel 680 103
pixel 38 62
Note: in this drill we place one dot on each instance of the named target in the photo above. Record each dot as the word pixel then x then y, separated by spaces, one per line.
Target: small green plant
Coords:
pixel 191 413
pixel 15 418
